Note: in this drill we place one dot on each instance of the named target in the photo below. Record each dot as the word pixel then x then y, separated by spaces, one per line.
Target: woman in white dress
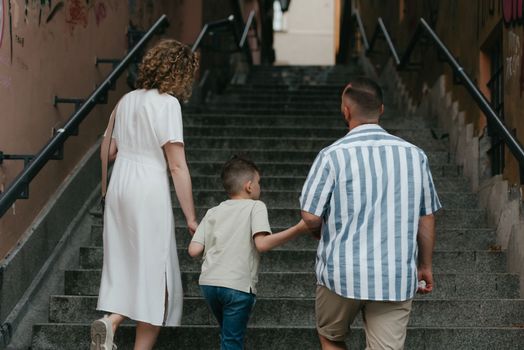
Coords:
pixel 140 275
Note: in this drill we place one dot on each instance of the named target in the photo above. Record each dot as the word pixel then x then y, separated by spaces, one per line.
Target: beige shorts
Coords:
pixel 385 322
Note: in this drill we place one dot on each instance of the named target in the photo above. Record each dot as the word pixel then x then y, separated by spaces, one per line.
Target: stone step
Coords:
pixel 277 285
pixel 236 119
pixel 297 167
pixel 76 336
pixel 274 131
pixel 290 199
pixel 283 88
pixel 295 183
pixel 210 154
pixel 301 312
pixel 459 218
pixel 447 239
pixel 444 261
pixel 291 143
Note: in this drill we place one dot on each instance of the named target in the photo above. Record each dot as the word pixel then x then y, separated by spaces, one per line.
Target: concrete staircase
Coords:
pixel 281 119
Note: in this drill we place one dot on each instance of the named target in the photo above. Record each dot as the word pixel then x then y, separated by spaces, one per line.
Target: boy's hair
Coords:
pixel 170 67
pixel 366 94
pixel 236 172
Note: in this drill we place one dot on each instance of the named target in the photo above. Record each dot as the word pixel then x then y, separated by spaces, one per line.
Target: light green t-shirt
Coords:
pixel 230 256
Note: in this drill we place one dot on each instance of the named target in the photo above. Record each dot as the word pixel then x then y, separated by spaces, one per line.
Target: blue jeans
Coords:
pixel 232 309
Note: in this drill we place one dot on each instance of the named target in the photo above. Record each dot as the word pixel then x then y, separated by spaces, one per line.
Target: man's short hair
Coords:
pixel 366 94
pixel 236 172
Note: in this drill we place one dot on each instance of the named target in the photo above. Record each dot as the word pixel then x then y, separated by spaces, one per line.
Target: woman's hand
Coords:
pixel 192 226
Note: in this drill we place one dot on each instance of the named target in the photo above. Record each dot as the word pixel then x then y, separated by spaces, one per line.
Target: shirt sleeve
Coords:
pixel 200 233
pixel 169 127
pixel 259 218
pixel 430 202
pixel 316 192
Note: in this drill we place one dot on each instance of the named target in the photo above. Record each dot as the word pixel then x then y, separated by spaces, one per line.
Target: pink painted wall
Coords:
pixel 49 49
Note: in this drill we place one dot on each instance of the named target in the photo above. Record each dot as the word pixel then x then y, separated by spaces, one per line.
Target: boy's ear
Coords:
pixel 247 186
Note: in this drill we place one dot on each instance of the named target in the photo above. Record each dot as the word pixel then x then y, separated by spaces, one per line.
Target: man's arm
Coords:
pixel 426 243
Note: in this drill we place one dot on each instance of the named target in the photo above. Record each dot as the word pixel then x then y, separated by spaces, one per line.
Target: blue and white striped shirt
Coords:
pixel 370 188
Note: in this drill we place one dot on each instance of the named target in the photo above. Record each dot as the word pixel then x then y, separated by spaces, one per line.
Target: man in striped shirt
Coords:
pixel 371 198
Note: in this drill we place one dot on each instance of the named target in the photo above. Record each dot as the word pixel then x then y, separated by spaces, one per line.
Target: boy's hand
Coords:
pixel 302 227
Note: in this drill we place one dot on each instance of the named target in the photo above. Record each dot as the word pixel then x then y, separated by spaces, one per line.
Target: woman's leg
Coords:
pixel 116 321
pixel 146 335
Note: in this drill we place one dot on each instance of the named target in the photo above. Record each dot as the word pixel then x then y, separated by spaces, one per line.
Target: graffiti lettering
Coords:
pixel 54 11
pixel 513 59
pixel 2 11
pixel 6 82
pixel 77 13
pixel 100 12
pixel 19 40
pixel 512 10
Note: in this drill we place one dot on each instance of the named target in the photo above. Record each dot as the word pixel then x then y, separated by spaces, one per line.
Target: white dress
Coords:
pixel 140 256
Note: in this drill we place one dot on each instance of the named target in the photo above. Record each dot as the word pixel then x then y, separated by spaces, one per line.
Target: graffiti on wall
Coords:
pixel 513 59
pixel 488 14
pixel 2 11
pixel 513 11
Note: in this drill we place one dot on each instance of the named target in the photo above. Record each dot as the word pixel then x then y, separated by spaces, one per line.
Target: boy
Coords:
pixel 231 236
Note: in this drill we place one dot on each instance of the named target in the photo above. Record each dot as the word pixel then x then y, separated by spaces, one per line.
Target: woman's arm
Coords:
pixel 111 153
pixel 176 159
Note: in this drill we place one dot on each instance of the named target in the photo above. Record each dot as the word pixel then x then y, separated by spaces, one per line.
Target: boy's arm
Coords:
pixel 265 241
pixel 195 249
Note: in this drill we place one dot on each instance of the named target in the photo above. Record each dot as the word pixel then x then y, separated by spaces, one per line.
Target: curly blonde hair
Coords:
pixel 170 67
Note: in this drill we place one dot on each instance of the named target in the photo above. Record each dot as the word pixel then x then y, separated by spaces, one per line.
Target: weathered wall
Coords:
pixel 48 48
pixel 469 29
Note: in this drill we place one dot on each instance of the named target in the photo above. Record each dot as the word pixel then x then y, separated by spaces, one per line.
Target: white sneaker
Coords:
pixel 102 335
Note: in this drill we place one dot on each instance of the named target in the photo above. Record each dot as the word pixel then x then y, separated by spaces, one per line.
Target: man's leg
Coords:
pixel 385 324
pixel 334 315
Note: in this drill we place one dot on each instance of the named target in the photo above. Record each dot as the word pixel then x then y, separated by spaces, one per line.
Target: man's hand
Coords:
pixel 313 223
pixel 425 274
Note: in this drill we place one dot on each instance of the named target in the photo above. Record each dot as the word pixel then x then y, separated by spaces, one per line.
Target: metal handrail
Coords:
pixel 361 29
pixel 250 21
pixel 424 30
pixel 229 22
pixel 226 22
pixel 12 193
pixel 381 31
